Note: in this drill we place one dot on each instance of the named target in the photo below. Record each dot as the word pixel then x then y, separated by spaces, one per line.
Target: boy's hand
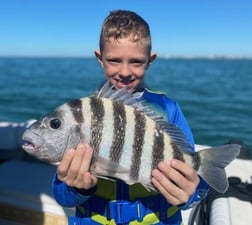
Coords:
pixel 74 168
pixel 176 181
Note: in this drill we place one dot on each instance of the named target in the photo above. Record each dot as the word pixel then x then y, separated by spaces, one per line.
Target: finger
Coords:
pixel 172 174
pixel 76 162
pixel 188 172
pixel 64 165
pixel 167 188
pixel 88 154
pixel 86 160
pixel 184 168
pixel 169 198
pixel 191 178
pixel 175 183
pixel 89 180
pixel 165 183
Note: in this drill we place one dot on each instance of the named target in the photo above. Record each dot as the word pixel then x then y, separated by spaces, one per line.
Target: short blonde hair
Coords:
pixel 122 24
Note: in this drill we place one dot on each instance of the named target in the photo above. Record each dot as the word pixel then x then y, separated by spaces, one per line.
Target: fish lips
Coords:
pixel 33 145
pixel 29 145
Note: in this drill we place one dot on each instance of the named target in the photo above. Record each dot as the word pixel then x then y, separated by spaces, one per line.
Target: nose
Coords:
pixel 124 71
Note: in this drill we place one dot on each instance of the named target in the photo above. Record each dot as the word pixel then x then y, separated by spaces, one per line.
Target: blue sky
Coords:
pixel 179 27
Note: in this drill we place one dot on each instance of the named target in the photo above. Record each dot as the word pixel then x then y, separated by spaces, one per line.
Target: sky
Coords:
pixel 188 28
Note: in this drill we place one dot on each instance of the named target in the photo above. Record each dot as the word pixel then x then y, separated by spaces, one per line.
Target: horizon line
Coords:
pixel 159 57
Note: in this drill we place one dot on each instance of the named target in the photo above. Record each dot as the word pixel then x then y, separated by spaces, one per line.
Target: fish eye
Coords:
pixel 55 123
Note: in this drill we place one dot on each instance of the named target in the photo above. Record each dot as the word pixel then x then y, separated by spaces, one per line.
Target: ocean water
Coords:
pixel 214 94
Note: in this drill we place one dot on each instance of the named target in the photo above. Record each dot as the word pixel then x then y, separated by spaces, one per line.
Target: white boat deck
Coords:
pixel 231 210
pixel 240 211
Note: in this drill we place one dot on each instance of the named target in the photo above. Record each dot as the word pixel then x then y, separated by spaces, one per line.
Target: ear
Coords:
pixel 98 57
pixel 153 56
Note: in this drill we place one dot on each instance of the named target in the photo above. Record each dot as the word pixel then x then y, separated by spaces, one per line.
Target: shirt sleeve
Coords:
pixel 176 116
pixel 200 193
pixel 68 196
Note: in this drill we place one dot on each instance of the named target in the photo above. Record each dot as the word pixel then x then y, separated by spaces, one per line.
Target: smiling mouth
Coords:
pixel 124 82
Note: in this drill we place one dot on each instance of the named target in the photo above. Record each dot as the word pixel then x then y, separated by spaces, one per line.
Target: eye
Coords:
pixel 55 123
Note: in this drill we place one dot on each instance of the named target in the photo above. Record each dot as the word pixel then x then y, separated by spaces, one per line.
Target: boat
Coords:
pixel 26 198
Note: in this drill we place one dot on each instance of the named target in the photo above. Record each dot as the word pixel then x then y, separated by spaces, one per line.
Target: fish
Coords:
pixel 129 139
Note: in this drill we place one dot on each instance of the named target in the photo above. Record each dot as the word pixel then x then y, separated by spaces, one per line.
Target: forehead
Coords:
pixel 126 46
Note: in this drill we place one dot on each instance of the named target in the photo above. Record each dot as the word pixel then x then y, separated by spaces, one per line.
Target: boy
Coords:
pixel 125 54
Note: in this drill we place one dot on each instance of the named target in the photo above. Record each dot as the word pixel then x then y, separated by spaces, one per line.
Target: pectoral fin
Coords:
pixel 102 167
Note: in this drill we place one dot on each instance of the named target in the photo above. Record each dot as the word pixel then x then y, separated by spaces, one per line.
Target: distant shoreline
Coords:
pixel 160 57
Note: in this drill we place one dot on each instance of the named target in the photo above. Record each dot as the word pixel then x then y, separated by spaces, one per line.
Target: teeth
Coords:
pixel 28 144
pixel 124 81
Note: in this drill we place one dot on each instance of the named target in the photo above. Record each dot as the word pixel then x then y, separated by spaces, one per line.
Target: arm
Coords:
pixel 69 196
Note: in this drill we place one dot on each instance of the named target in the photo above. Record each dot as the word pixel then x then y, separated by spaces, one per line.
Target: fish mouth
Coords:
pixel 36 150
pixel 29 145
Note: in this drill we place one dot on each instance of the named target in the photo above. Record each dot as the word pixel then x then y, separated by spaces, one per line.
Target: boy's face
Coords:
pixel 125 62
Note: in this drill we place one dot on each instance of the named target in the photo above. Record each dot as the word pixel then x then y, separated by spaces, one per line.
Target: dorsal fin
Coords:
pixel 134 100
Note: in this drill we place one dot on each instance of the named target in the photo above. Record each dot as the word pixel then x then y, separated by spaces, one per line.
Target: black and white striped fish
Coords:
pixel 128 139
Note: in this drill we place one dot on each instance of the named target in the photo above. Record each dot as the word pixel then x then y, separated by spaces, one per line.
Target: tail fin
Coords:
pixel 213 163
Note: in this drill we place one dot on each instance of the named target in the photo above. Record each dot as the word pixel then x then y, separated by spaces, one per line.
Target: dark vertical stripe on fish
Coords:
pixel 196 161
pixel 97 116
pixel 119 117
pixel 76 109
pixel 158 147
pixel 177 153
pixel 140 123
